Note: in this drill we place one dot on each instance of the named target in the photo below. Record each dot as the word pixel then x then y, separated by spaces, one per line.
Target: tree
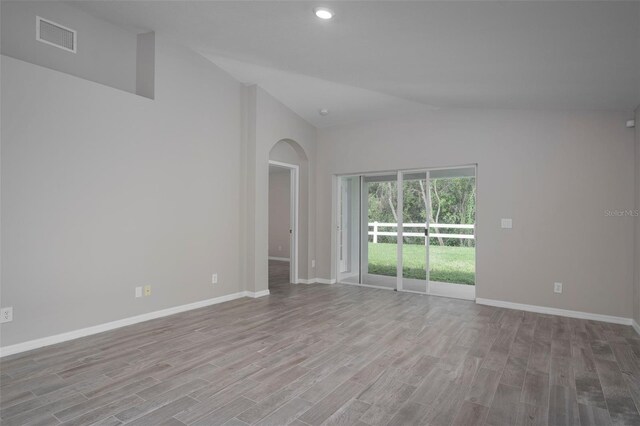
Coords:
pixel 450 200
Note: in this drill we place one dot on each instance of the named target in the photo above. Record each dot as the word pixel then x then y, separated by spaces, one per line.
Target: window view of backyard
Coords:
pixel 451 207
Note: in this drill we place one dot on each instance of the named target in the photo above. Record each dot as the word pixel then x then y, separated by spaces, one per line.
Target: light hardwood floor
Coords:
pixel 334 355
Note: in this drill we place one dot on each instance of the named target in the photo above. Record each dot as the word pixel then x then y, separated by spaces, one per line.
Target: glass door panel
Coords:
pixel 452 232
pixel 379 230
pixel 415 193
pixel 349 229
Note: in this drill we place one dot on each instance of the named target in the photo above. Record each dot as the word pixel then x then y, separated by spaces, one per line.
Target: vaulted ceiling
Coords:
pixel 382 58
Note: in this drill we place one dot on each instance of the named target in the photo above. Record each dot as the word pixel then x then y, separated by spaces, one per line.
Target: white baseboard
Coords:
pixel 83 332
pixel 316 281
pixel 281 259
pixel 556 311
pixel 256 294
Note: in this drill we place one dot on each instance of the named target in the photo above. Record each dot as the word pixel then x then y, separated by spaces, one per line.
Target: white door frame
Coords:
pixel 339 225
pixel 343 255
pixel 294 196
pixel 400 230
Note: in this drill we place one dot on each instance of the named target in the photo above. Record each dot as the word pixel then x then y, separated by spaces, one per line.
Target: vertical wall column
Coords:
pixel 146 65
pixel 248 251
pixel 266 122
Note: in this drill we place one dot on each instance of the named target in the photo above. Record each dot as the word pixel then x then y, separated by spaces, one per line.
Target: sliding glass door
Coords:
pixel 379 230
pixel 452 252
pixel 413 243
pixel 411 231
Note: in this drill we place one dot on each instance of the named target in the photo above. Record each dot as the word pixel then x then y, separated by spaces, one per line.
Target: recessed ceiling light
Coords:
pixel 323 111
pixel 323 13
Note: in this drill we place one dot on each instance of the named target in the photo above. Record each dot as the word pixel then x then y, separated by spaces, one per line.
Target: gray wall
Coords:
pixel 103 191
pixel 555 173
pixel 268 123
pixel 279 212
pixel 105 54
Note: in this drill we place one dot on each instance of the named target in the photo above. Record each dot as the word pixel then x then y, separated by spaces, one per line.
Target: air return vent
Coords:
pixel 55 35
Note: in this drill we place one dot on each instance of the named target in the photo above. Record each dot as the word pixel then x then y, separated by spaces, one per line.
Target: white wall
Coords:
pixel 105 53
pixel 103 191
pixel 555 173
pixel 279 212
pixel 267 122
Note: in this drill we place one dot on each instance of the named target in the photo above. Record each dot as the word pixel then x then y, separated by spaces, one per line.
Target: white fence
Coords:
pixel 375 232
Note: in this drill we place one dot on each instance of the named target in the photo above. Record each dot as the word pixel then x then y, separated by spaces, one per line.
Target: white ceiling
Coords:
pixel 382 58
pixel 306 95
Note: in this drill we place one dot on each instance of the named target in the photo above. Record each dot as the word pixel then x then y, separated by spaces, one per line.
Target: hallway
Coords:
pixel 278 272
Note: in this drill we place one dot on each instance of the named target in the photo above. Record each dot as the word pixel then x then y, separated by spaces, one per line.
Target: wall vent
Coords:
pixel 56 35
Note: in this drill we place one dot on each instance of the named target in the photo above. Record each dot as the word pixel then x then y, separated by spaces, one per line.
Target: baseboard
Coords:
pixel 256 294
pixel 635 326
pixel 556 311
pixel 316 281
pixel 281 259
pixel 88 331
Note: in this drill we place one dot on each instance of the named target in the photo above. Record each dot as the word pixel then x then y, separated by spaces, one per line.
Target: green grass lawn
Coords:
pixel 448 264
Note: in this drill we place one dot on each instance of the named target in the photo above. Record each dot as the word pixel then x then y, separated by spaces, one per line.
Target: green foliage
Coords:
pixel 450 201
pixel 453 201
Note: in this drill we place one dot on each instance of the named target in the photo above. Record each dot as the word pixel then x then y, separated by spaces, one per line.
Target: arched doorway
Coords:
pixel 288 198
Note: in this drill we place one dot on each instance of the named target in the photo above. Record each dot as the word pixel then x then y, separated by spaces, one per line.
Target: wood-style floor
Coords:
pixel 278 273
pixel 334 355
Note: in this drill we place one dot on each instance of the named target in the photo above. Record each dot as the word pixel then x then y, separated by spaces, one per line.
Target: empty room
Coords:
pixel 320 213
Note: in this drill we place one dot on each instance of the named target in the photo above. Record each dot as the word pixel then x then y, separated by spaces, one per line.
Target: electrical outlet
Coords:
pixel 6 314
pixel 313 263
pixel 214 279
pixel 557 287
pixel 506 223
pixel 147 290
pixel 138 291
